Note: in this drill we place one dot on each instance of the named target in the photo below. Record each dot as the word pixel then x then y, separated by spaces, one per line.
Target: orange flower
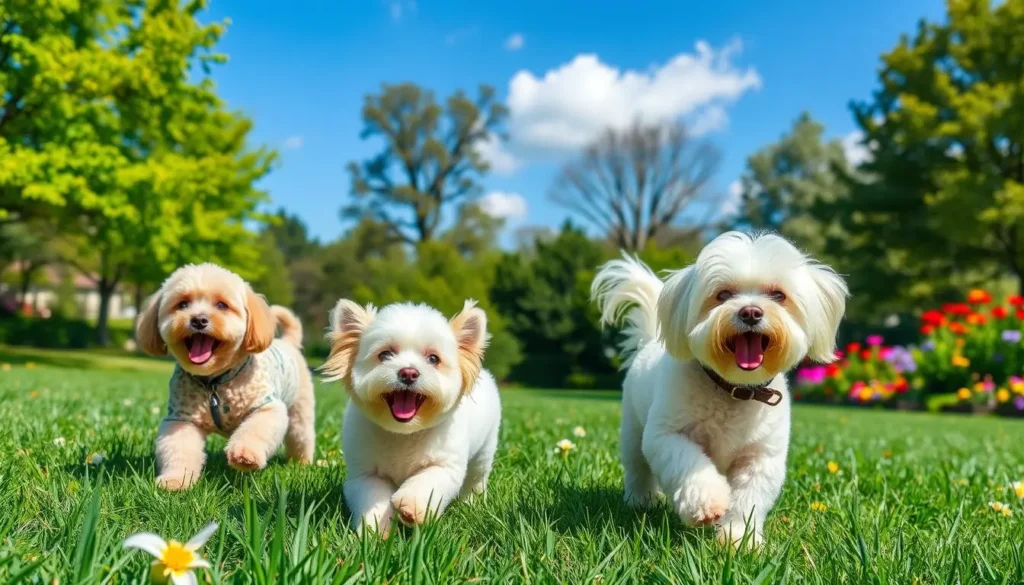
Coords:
pixel 978 296
pixel 832 370
pixel 976 319
pixel 957 328
pixel 1016 301
pixel 927 329
pixel 865 354
pixel 999 312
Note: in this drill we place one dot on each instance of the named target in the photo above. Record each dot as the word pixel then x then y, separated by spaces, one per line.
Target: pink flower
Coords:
pixel 874 340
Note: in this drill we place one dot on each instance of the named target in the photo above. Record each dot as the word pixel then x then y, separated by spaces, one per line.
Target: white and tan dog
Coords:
pixel 705 407
pixel 421 425
pixel 233 378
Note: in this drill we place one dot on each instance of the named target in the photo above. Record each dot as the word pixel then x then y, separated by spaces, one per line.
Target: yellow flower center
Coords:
pixel 177 558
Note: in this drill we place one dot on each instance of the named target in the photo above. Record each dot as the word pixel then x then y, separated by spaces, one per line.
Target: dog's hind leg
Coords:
pixel 641 487
pixel 300 440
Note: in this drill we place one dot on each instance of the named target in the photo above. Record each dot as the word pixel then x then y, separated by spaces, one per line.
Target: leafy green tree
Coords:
pixel 430 160
pixel 107 126
pixel 275 280
pixel 545 298
pixel 787 187
pixel 944 198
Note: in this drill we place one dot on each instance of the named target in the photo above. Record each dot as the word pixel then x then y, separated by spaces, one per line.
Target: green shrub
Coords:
pixel 56 332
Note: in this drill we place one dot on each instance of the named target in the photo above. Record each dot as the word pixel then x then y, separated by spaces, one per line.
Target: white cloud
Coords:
pixel 457 36
pixel 515 41
pixel 292 143
pixel 733 200
pixel 503 205
pixel 398 8
pixel 502 161
pixel 854 148
pixel 566 107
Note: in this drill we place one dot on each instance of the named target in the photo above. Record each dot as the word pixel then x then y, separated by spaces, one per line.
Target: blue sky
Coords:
pixel 742 71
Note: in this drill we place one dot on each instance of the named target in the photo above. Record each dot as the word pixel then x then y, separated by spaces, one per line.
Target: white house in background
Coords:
pixel 42 295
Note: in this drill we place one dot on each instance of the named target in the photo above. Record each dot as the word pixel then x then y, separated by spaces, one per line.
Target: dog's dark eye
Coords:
pixel 385 355
pixel 183 305
pixel 221 305
pixel 777 295
pixel 724 295
pixel 433 359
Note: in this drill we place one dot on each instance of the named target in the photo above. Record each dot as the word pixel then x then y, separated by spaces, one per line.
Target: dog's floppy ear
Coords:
pixel 825 312
pixel 674 313
pixel 470 327
pixel 260 326
pixel 348 321
pixel 147 327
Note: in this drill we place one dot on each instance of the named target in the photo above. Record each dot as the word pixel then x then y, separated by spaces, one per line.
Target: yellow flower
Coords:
pixel 1003 395
pixel 173 559
pixel 963 394
pixel 833 467
pixel 579 432
pixel 30 365
pixel 818 507
pixel 564 446
pixel 6 367
pixel 321 463
pixel 996 506
pixel 1018 387
pixel 1007 512
pixel 1018 488
pixel 960 361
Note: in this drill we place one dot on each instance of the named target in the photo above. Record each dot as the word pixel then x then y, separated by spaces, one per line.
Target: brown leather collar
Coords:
pixel 760 393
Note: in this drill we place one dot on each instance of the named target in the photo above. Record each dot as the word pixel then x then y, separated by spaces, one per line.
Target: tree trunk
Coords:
pixel 106 291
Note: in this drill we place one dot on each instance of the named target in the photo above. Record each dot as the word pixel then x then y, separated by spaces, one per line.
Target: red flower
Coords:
pixel 832 370
pixel 885 352
pixel 1020 314
pixel 1016 301
pixel 999 312
pixel 957 328
pixel 956 309
pixel 865 354
pixel 933 317
pixel 976 319
pixel 852 347
pixel 977 296
pixel 927 329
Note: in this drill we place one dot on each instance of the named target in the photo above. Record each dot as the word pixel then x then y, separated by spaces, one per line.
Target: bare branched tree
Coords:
pixel 633 184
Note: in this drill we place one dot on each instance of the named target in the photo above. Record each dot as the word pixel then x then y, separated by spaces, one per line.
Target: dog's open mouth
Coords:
pixel 200 348
pixel 404 404
pixel 749 349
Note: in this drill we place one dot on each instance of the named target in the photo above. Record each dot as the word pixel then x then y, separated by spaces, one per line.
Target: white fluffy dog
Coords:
pixel 421 426
pixel 705 408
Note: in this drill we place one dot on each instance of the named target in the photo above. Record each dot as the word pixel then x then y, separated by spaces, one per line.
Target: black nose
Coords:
pixel 408 375
pixel 751 315
pixel 199 321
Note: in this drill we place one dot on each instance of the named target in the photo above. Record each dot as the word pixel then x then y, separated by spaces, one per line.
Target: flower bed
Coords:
pixel 973 350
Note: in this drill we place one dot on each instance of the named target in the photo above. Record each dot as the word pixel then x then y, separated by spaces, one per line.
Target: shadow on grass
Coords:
pixel 588 395
pixel 587 510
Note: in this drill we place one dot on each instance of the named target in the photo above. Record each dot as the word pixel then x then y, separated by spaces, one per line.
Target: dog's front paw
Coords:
pixel 411 508
pixel 174 482
pixel 245 458
pixel 733 533
pixel 703 498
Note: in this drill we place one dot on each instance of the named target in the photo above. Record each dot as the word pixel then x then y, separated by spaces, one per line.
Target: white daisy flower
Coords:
pixel 174 559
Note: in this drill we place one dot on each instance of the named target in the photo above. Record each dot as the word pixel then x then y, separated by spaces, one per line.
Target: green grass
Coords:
pixel 908 506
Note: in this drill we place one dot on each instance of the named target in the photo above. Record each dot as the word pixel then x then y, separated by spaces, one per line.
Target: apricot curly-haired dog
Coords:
pixel 233 377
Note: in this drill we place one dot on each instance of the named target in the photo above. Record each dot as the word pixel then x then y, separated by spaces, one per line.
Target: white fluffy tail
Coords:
pixel 627 289
pixel 291 327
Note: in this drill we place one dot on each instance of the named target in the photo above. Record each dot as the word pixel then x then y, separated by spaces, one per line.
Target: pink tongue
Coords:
pixel 749 353
pixel 403 405
pixel 201 350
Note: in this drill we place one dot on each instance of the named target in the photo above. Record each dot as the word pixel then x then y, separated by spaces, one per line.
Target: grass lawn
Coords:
pixel 908 504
